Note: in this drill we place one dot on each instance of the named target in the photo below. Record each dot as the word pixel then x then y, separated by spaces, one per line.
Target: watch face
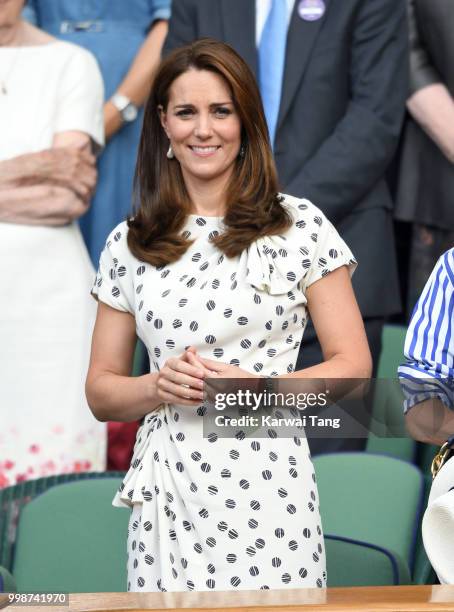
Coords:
pixel 129 113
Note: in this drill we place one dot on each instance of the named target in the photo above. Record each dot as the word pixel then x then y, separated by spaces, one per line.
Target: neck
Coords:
pixel 11 35
pixel 207 197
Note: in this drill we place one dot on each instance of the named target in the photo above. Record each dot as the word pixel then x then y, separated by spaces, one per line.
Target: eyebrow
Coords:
pixel 211 105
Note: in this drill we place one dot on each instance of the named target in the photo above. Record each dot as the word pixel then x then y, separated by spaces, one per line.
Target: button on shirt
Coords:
pixel 429 345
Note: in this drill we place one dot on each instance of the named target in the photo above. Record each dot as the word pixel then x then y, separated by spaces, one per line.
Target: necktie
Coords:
pixel 271 62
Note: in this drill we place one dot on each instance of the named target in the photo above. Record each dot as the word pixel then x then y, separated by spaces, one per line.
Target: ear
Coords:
pixel 163 119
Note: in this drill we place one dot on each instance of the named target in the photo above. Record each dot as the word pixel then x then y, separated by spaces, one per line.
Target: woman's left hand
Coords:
pixel 217 369
pixel 232 379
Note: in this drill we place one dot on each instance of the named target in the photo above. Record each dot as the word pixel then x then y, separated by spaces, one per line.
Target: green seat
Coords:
pixel 388 431
pixel 71 539
pixel 371 498
pixel 139 359
pixel 7 582
pixel 392 352
pixel 14 498
pixel 352 563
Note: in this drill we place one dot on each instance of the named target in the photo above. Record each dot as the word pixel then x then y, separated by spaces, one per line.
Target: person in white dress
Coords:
pixel 51 97
pixel 217 272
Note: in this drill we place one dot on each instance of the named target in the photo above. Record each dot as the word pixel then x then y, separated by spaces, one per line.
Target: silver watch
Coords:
pixel 125 107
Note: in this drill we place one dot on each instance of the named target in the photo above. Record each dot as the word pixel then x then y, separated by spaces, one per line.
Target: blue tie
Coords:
pixel 271 62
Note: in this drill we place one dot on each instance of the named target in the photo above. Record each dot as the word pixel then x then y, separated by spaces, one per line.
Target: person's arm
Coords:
pixel 112 393
pixel 355 156
pixel 136 84
pixel 433 108
pixel 340 330
pixel 51 187
pixel 430 103
pixel 182 26
pixel 427 378
pixel 70 167
pixel 431 422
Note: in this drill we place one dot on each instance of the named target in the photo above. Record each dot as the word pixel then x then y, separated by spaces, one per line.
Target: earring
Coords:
pixel 242 150
pixel 170 153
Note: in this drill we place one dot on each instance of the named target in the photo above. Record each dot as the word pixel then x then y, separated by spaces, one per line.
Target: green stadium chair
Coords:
pixel 372 498
pixel 392 353
pixel 352 563
pixel 388 400
pixel 20 543
pixel 14 498
pixel 70 539
pixel 7 582
pixel 139 359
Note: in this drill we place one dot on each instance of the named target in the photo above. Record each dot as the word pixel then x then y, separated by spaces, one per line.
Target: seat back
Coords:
pixel 15 497
pixel 353 563
pixel 392 352
pixel 388 400
pixel 371 498
pixel 71 539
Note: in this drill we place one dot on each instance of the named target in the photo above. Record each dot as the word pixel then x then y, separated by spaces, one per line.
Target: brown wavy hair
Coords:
pixel 162 202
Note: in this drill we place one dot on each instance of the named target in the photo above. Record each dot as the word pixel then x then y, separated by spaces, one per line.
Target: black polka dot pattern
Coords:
pixel 210 513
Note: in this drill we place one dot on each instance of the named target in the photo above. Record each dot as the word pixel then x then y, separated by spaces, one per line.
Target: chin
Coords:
pixel 205 172
pixel 208 171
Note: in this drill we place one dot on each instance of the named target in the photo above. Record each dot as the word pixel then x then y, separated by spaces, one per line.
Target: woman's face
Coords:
pixel 10 12
pixel 202 125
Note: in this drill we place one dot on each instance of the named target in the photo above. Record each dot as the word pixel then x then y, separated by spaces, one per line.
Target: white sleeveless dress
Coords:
pixel 218 513
pixel 46 313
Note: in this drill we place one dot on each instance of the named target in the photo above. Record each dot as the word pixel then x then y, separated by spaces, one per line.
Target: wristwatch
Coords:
pixel 125 107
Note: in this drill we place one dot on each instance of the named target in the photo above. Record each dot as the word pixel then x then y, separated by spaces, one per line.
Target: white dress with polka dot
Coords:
pixel 222 513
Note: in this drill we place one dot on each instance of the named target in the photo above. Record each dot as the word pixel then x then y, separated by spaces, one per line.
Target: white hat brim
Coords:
pixel 438 535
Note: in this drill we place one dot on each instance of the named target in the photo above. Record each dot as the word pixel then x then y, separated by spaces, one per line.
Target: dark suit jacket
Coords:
pixel 426 180
pixel 342 104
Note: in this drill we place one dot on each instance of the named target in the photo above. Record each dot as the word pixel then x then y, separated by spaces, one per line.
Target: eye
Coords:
pixel 222 111
pixel 184 112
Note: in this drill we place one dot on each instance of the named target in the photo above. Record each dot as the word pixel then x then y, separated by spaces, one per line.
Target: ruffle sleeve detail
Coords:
pixel 310 249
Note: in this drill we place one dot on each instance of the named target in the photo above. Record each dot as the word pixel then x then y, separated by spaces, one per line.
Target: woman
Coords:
pixel 51 105
pixel 126 39
pixel 215 272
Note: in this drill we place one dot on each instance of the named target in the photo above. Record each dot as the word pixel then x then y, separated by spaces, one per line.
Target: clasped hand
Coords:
pixel 182 379
pixel 70 167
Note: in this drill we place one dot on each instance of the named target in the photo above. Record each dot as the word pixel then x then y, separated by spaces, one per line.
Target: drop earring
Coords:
pixel 242 151
pixel 170 153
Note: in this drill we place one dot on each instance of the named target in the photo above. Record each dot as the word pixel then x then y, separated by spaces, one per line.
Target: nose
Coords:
pixel 203 128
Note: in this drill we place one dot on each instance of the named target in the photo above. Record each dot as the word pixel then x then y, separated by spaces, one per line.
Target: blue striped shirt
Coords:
pixel 429 345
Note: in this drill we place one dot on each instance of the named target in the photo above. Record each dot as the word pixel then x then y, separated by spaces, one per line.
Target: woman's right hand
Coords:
pixel 180 382
pixel 70 167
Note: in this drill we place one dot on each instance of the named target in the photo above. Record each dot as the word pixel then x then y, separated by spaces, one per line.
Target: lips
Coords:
pixel 204 151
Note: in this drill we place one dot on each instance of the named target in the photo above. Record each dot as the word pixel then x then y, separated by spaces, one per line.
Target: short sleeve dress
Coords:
pixel 46 314
pixel 219 513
